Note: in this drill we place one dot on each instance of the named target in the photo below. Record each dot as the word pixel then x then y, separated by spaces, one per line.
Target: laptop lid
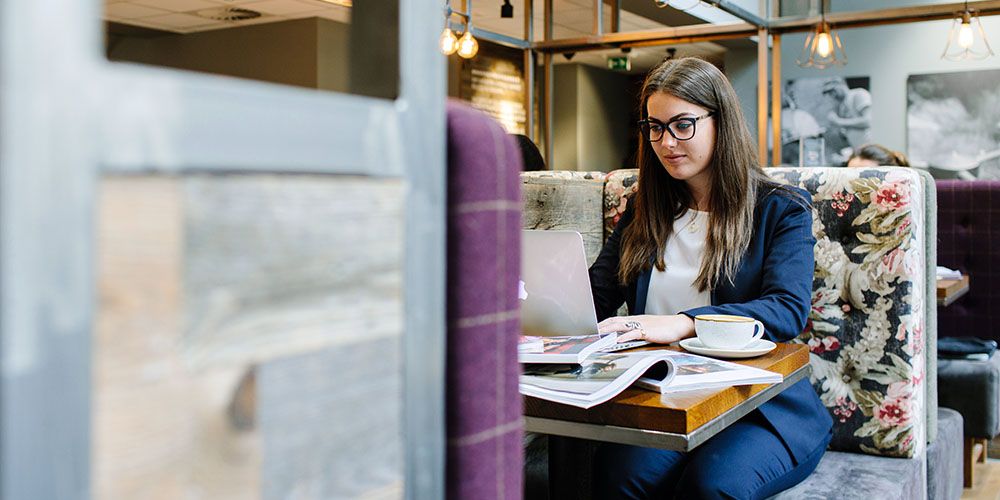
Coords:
pixel 555 296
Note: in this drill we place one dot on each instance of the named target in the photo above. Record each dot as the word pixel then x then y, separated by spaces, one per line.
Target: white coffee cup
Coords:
pixel 724 331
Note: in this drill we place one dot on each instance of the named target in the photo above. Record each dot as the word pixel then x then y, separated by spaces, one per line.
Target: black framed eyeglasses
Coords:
pixel 681 129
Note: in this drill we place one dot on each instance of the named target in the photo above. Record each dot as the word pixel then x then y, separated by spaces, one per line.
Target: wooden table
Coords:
pixel 680 421
pixel 949 290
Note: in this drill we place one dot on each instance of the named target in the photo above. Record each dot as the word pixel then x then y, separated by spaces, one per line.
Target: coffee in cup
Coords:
pixel 724 331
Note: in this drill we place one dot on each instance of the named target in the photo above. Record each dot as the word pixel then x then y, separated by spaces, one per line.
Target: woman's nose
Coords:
pixel 668 140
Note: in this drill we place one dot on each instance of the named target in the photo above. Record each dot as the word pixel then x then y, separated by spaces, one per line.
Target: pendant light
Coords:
pixel 449 43
pixel 965 27
pixel 467 45
pixel 822 47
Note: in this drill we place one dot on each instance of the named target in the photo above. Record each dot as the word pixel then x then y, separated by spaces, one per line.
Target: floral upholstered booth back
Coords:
pixel 865 330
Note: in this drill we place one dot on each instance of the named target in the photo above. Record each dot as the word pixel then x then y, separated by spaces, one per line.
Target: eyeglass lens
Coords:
pixel 681 129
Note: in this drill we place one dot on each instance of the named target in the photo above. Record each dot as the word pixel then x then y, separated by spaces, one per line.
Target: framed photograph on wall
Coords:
pixel 953 123
pixel 835 109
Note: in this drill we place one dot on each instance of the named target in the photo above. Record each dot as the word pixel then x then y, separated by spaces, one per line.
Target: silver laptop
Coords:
pixel 555 290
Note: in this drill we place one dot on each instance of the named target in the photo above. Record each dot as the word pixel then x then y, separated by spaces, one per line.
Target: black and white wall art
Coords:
pixel 824 118
pixel 953 123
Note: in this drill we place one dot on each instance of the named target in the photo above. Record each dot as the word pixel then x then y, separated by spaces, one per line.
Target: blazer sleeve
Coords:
pixel 786 277
pixel 609 294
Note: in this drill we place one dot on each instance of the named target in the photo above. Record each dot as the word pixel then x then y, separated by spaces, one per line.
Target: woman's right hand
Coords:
pixel 659 329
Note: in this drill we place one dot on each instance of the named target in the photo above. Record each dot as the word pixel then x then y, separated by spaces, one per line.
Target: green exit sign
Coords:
pixel 619 63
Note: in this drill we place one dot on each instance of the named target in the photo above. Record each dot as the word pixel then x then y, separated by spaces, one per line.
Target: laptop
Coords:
pixel 555 287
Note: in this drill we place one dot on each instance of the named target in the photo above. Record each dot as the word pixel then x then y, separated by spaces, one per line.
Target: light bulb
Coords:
pixel 824 44
pixel 467 45
pixel 448 42
pixel 965 35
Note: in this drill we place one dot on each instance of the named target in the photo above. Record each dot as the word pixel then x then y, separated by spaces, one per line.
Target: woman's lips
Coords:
pixel 673 158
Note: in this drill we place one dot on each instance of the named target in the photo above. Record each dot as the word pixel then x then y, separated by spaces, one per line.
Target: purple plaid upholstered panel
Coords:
pixel 969 240
pixel 484 456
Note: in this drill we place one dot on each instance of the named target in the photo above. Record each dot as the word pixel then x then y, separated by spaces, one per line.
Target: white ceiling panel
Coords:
pixel 284 7
pixel 177 5
pixel 128 10
pixel 180 20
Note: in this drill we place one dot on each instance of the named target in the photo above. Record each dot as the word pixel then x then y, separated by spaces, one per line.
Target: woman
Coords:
pixel 708 233
pixel 875 155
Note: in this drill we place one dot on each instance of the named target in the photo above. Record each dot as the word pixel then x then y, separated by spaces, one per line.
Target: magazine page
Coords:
pixel 700 372
pixel 527 344
pixel 595 381
pixel 567 349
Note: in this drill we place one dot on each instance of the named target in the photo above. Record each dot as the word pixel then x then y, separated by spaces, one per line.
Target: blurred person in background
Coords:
pixel 876 155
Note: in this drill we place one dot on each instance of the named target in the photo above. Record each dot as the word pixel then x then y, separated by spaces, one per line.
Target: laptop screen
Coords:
pixel 555 296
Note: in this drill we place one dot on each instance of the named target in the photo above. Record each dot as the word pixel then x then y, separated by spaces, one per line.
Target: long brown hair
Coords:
pixel 661 199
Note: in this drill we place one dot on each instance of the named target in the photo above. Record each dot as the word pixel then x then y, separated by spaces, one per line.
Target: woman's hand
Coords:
pixel 659 329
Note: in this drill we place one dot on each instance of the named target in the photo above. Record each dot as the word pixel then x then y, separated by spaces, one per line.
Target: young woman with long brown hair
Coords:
pixel 709 233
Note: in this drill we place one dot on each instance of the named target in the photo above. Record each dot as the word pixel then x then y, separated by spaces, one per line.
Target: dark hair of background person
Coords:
pixel 737 178
pixel 529 153
pixel 879 154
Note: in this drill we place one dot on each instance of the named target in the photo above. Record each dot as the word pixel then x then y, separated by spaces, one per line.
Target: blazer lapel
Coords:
pixel 641 291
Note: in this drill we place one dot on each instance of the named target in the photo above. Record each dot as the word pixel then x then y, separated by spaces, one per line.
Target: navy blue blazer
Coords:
pixel 773 284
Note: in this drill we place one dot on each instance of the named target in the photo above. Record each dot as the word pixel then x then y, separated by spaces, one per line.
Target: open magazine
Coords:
pixel 603 376
pixel 565 349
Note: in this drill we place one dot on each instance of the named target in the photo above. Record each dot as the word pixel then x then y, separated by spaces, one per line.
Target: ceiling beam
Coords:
pixel 663 36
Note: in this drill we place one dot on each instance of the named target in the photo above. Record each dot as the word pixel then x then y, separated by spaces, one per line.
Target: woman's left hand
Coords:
pixel 659 329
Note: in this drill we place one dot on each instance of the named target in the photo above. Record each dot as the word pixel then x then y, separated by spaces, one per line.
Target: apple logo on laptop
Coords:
pixel 522 293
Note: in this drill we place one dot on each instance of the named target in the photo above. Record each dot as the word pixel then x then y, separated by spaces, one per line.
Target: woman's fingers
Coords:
pixel 616 324
pixel 630 335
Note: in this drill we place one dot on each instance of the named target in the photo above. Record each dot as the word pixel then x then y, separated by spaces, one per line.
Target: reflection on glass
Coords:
pixel 305 43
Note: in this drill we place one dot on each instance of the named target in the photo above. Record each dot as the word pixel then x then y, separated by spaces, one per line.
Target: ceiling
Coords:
pixel 571 19
pixel 188 16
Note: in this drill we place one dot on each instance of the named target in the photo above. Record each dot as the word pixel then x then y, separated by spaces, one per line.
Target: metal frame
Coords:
pixel 67 115
pixel 659 439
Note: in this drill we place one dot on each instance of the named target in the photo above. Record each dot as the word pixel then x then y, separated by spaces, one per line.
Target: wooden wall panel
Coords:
pixel 221 299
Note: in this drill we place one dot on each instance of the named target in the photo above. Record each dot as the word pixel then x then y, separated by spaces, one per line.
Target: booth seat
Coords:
pixel 969 241
pixel 872 330
pixel 483 408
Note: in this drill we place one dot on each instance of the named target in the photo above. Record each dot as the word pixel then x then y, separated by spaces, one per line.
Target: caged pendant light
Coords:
pixel 962 44
pixel 822 47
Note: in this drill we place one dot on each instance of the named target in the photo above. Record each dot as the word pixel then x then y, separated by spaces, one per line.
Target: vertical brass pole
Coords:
pixel 547 88
pixel 776 86
pixel 616 15
pixel 598 28
pixel 762 96
pixel 529 72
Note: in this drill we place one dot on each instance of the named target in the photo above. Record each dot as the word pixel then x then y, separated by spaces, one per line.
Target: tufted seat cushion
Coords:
pixel 968 240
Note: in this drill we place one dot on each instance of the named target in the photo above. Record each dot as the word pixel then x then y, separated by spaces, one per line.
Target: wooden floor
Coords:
pixel 986 482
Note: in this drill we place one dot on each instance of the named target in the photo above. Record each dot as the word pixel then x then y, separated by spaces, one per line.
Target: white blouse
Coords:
pixel 672 290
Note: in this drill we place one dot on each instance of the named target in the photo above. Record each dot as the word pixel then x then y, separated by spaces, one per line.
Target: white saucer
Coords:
pixel 756 348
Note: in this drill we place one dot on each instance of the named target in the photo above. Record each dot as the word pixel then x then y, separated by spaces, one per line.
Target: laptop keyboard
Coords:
pixel 631 344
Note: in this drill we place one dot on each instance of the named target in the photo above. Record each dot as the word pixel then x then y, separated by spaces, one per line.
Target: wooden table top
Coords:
pixel 949 290
pixel 679 413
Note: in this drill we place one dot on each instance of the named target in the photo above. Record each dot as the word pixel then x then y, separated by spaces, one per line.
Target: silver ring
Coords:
pixel 633 325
